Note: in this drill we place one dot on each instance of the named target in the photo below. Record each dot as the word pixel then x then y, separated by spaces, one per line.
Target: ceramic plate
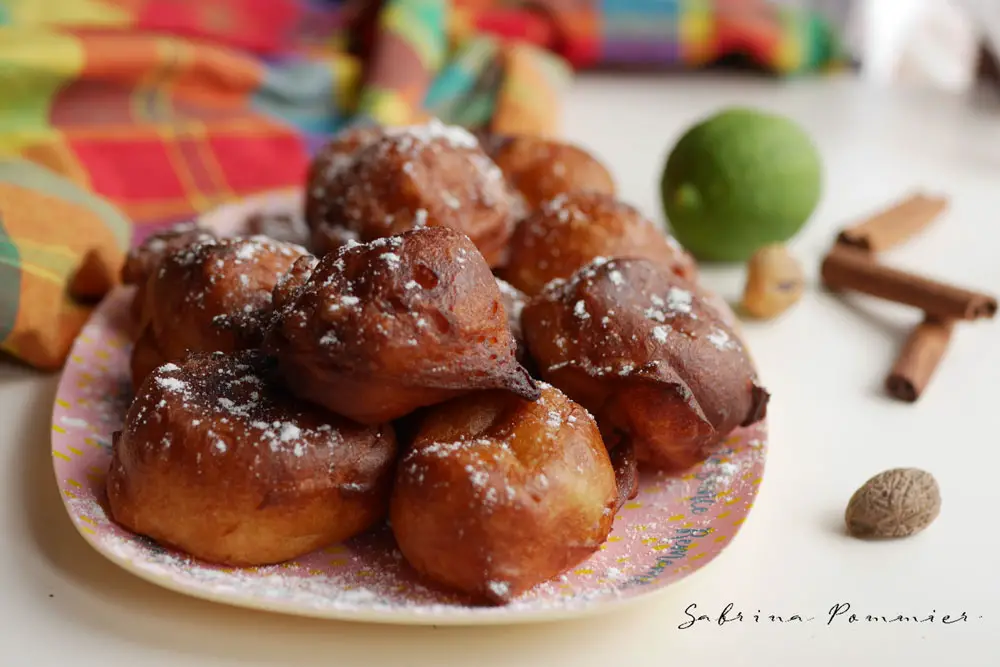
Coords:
pixel 676 525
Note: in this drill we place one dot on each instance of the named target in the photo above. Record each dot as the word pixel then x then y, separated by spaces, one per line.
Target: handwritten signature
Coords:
pixel 840 613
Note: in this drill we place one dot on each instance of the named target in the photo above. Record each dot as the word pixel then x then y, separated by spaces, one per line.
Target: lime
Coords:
pixel 739 180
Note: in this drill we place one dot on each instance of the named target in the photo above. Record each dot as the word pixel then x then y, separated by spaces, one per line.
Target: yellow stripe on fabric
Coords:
pixel 251 127
pixel 57 260
pixel 159 83
pixel 194 130
pixel 199 134
pixel 788 53
pixel 387 107
pixel 425 38
pixel 64 12
pixel 347 72
pixel 34 65
pixel 36 271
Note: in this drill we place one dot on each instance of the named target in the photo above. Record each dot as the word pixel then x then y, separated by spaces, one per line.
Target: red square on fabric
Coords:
pixel 273 158
pixel 134 169
pixel 261 26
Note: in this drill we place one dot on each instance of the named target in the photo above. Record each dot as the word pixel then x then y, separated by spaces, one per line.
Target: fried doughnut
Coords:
pixel 541 169
pixel 421 176
pixel 497 494
pixel 638 348
pixel 337 155
pixel 143 259
pixel 569 231
pixel 626 467
pixel 381 329
pixel 214 462
pixel 513 303
pixel 284 226
pixel 211 295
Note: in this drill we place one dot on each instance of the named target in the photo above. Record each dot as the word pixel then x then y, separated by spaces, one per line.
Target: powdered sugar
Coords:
pixel 652 545
pixel 719 338
pixel 501 589
pixel 170 384
pixel 679 300
pixel 453 135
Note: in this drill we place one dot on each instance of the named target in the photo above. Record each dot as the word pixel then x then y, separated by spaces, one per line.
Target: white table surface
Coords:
pixel 831 428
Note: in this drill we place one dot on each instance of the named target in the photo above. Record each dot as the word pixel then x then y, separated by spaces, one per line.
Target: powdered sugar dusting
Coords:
pixel 172 384
pixel 655 538
pixel 719 338
pixel 453 135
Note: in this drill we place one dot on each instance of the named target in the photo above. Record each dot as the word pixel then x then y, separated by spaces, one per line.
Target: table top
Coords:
pixel 831 428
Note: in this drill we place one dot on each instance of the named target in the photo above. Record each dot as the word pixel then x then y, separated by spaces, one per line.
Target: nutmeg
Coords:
pixel 894 503
pixel 774 282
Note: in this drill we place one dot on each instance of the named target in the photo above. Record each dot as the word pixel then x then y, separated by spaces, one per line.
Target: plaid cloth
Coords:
pixel 661 33
pixel 165 109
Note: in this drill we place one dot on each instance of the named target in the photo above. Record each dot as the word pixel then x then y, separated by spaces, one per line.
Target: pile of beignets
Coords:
pixel 481 345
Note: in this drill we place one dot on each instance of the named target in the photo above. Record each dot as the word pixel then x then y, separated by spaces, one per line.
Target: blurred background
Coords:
pixel 118 117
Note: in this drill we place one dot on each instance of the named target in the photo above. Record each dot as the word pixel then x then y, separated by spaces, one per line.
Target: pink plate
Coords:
pixel 676 525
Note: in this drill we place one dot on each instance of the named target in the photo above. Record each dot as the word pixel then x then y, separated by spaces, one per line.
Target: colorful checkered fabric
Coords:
pixel 170 109
pixel 160 110
pixel 662 33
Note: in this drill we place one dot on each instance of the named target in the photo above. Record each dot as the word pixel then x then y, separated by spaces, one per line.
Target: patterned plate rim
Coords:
pixel 454 615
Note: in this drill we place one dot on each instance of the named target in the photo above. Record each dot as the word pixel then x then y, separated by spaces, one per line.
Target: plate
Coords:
pixel 674 527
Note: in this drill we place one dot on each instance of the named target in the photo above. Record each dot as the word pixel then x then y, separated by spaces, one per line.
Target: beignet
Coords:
pixel 211 295
pixel 337 155
pixel 540 169
pixel 284 226
pixel 143 259
pixel 381 329
pixel 569 231
pixel 429 175
pixel 497 494
pixel 513 303
pixel 641 350
pixel 215 462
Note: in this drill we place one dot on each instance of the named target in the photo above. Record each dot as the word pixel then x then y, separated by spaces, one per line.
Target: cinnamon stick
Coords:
pixel 894 225
pixel 923 351
pixel 846 268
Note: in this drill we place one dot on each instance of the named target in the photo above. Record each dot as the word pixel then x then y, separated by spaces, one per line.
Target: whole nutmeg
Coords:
pixel 895 503
pixel 774 282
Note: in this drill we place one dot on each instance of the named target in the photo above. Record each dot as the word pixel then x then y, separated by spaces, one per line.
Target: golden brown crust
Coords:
pixel 337 155
pixel 142 261
pixel 571 230
pixel 541 169
pixel 421 176
pixel 626 465
pixel 497 494
pixel 146 357
pixel 284 226
pixel 514 301
pixel 641 350
pixel 382 328
pixel 211 295
pixel 213 461
pixel 143 258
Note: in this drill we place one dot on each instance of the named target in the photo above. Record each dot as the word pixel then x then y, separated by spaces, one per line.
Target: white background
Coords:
pixel 831 428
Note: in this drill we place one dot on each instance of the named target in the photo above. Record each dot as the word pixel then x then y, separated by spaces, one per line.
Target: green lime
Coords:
pixel 739 180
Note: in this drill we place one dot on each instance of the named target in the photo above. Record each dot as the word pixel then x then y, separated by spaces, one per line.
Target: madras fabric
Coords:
pixel 173 108
pixel 166 109
pixel 153 111
pixel 662 33
pixel 45 285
